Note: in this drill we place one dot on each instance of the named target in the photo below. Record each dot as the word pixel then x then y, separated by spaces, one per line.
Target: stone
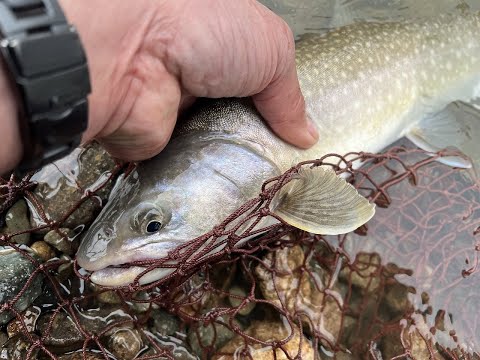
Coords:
pixel 393 344
pixel 15 271
pixel 29 319
pixel 109 297
pixel 164 324
pixel 205 339
pixel 80 356
pixel 294 289
pixel 236 297
pixel 364 273
pixel 16 220
pixel 17 348
pixel 64 335
pixel 63 184
pixel 63 239
pixel 268 332
pixel 3 338
pixel 43 250
pixel 125 344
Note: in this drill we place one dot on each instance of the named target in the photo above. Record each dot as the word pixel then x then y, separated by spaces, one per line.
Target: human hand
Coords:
pixel 150 59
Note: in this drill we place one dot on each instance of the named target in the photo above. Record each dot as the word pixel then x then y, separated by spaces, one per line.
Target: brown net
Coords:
pixel 403 287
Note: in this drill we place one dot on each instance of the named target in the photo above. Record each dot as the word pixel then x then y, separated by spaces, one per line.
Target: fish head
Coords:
pixel 151 213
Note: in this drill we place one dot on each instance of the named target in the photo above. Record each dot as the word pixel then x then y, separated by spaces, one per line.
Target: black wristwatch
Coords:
pixel 47 62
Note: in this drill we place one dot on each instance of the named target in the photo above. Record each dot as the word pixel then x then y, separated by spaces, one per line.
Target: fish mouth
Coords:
pixel 123 276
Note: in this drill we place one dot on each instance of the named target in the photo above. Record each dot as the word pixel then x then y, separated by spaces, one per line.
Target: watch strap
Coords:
pixel 48 64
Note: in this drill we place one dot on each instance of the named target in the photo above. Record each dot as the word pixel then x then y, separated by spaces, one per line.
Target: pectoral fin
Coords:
pixel 320 202
pixel 457 126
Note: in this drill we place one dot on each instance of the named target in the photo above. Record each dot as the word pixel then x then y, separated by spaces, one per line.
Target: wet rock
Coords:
pixel 268 332
pixel 109 297
pixel 3 338
pixel 164 323
pixel 64 335
pixel 43 250
pixel 207 339
pixel 15 271
pixel 364 273
pixel 172 346
pixel 62 184
pixel 395 344
pixel 80 356
pixel 292 287
pixel 236 298
pixel 65 270
pixel 17 348
pixel 16 220
pixel 63 239
pixel 29 319
pixel 125 344
pixel 396 300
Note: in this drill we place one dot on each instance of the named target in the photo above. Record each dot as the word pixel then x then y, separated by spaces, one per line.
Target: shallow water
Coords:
pixel 430 228
pixel 305 16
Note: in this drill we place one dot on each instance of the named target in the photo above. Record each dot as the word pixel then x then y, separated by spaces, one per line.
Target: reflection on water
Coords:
pixel 432 228
pixel 306 16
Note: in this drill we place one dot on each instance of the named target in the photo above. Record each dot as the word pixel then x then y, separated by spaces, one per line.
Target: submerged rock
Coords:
pixel 236 298
pixel 125 344
pixel 17 348
pixel 304 296
pixel 62 184
pixel 267 332
pixel 64 240
pixel 43 250
pixel 16 220
pixel 207 339
pixel 15 271
pixel 64 334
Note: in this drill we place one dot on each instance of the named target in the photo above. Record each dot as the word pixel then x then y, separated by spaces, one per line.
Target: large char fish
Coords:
pixel 366 85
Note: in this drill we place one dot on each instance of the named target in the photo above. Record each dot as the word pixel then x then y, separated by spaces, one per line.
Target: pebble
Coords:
pixel 43 250
pixel 267 331
pixel 63 240
pixel 364 273
pixel 62 184
pixel 236 302
pixel 3 338
pixel 16 219
pixel 294 290
pixel 64 334
pixel 80 356
pixel 125 344
pixel 15 270
pixel 205 339
pixel 29 319
pixel 164 324
pixel 17 348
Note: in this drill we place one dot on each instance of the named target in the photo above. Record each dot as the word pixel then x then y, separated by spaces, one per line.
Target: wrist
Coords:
pixel 11 148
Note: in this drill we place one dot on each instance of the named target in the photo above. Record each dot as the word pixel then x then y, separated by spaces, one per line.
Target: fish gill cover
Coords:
pixel 405 286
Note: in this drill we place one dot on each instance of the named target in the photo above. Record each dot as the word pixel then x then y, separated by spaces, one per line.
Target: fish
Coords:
pixel 366 85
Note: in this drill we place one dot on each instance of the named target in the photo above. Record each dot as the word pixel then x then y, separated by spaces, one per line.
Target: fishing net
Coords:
pixel 404 286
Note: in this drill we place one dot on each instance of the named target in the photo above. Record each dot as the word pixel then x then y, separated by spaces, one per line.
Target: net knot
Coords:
pixel 218 231
pixel 265 211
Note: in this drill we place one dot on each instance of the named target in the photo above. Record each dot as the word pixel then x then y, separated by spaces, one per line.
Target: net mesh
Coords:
pixel 401 287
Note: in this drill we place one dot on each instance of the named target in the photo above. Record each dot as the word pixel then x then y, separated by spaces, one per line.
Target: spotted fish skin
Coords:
pixel 365 85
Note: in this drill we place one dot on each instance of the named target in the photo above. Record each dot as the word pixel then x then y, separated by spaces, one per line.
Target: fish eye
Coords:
pixel 153 226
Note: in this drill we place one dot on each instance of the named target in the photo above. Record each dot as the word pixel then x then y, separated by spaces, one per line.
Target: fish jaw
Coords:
pixel 114 277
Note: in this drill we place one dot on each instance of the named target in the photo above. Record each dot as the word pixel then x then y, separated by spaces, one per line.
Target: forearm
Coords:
pixel 11 147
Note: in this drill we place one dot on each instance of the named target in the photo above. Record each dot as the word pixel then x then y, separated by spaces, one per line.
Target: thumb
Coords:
pixel 282 104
